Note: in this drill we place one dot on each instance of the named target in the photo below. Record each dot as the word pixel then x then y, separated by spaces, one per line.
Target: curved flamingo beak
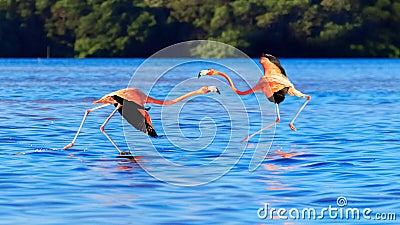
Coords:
pixel 202 73
pixel 213 89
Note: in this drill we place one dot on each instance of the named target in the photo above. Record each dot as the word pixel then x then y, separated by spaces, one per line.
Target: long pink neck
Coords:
pixel 233 86
pixel 161 102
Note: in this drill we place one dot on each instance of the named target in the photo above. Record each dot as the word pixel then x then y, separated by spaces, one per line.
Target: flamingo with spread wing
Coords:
pixel 274 84
pixel 133 100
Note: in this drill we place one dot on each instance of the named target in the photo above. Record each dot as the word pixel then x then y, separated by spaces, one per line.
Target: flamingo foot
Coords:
pixel 292 127
pixel 124 153
pixel 68 146
pixel 246 139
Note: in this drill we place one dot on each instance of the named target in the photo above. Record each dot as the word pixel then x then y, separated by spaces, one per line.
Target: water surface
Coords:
pixel 347 144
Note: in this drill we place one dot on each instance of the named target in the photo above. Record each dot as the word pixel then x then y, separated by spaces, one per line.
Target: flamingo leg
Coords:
pixel 83 121
pixel 266 127
pixel 108 137
pixel 298 112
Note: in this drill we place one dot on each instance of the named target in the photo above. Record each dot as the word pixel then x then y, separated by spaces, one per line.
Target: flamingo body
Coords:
pixel 275 70
pixel 132 108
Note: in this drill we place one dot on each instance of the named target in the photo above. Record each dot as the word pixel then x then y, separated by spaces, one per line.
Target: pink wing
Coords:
pixel 276 79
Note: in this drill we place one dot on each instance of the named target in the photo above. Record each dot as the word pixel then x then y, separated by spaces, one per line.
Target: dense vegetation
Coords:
pixel 138 28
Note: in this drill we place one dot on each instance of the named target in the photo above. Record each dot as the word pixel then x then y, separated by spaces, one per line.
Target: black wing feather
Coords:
pixel 130 111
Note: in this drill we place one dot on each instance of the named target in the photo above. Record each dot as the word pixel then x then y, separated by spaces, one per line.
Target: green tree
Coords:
pixel 138 28
pixel 380 28
pixel 111 27
pixel 21 30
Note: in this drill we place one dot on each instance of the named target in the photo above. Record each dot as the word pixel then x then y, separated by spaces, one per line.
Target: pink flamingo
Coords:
pixel 274 84
pixel 133 100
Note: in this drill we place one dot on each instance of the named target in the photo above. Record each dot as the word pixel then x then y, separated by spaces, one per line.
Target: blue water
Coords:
pixel 347 144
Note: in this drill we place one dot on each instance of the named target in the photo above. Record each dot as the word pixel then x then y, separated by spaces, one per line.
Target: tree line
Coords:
pixel 138 28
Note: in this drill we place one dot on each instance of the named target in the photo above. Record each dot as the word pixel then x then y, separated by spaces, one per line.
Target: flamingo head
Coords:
pixel 209 72
pixel 208 89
